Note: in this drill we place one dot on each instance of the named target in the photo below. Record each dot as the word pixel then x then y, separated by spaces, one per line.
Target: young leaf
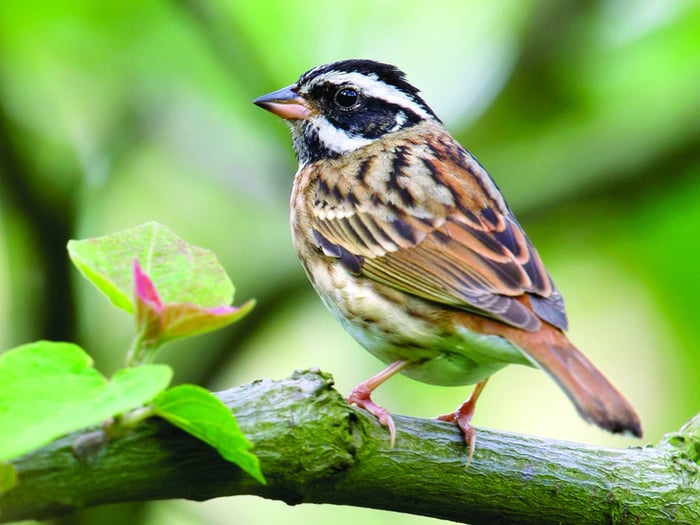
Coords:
pixel 49 389
pixel 182 272
pixel 158 323
pixel 149 322
pixel 200 413
pixel 175 289
pixel 183 319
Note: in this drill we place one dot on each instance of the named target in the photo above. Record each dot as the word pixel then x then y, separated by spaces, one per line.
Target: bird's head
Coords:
pixel 337 108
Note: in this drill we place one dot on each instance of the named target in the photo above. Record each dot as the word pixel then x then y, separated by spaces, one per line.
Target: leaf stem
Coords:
pixel 131 419
pixel 141 351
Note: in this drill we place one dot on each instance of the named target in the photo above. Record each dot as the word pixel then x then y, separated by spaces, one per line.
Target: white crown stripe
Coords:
pixel 372 87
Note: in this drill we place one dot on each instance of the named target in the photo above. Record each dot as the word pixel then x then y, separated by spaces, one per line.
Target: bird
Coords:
pixel 411 245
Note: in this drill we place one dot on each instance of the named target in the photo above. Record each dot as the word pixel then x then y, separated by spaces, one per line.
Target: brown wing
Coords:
pixel 443 233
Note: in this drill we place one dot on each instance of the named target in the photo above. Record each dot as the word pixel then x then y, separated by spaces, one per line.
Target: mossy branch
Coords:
pixel 314 448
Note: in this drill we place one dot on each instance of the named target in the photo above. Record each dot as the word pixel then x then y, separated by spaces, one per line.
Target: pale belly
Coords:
pixel 449 355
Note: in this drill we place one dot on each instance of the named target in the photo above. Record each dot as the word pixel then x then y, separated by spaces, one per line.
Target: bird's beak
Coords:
pixel 285 103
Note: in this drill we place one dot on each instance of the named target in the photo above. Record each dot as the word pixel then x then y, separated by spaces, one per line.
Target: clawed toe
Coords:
pixel 361 398
pixel 462 420
pixel 462 417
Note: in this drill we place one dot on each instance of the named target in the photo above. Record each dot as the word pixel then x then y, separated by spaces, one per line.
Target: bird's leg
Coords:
pixel 360 396
pixel 463 415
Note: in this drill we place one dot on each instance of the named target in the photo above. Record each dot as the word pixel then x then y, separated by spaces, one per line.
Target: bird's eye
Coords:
pixel 346 98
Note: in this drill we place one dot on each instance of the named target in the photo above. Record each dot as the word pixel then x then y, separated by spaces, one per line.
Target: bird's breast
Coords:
pixel 389 323
pixel 393 325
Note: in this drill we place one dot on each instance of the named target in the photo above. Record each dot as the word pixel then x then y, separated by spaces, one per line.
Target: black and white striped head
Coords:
pixel 337 108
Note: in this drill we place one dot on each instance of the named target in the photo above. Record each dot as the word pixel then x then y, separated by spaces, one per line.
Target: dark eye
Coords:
pixel 346 98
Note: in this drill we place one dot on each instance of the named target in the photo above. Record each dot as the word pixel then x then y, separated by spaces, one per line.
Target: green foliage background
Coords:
pixel 587 114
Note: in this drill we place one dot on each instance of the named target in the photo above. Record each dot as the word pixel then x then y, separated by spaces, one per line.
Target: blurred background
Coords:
pixel 587 114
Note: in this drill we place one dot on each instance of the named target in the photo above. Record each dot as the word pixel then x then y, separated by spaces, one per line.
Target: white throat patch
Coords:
pixel 336 139
pixel 331 138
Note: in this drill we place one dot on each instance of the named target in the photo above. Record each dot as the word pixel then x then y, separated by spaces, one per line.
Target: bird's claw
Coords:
pixel 462 418
pixel 360 396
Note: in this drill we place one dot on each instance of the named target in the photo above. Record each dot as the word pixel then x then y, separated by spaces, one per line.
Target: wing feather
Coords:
pixel 458 244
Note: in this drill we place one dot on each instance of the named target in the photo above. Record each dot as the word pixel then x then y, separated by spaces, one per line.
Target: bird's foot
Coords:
pixel 462 417
pixel 360 396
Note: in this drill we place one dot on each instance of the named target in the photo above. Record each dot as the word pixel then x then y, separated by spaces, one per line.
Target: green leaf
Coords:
pixel 200 413
pixel 8 478
pixel 49 389
pixel 182 272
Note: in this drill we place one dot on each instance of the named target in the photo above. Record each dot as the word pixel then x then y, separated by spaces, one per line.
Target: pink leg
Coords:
pixel 463 415
pixel 360 396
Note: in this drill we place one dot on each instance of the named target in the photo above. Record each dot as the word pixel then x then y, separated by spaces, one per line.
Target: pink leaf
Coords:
pixel 185 319
pixel 158 322
pixel 149 308
pixel 145 289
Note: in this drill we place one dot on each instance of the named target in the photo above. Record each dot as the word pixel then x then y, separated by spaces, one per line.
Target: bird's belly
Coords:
pixel 393 325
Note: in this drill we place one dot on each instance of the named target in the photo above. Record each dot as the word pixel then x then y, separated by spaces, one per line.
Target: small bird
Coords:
pixel 411 245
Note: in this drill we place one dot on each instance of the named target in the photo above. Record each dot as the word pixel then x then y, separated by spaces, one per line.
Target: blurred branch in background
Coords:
pixel 230 44
pixel 48 227
pixel 540 91
pixel 598 98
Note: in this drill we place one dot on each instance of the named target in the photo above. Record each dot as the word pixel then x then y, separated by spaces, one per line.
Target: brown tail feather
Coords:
pixel 596 399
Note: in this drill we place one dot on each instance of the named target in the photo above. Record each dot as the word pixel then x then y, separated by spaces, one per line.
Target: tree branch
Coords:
pixel 314 448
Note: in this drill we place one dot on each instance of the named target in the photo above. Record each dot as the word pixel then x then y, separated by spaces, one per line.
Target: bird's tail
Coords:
pixel 596 399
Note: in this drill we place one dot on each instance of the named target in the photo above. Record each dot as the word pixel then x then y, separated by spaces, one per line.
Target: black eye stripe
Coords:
pixel 374 118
